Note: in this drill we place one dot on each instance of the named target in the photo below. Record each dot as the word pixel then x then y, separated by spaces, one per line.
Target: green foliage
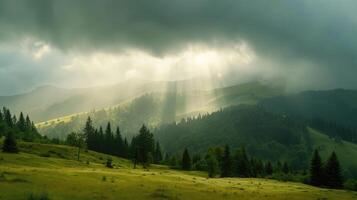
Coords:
pixel 109 163
pixel 266 135
pixel 41 196
pixel 226 168
pixel 333 174
pixel 10 145
pixel 186 160
pixel 316 170
pixel 212 166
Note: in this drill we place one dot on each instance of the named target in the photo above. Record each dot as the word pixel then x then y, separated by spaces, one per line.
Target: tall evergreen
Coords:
pixel 119 143
pixel 212 166
pixel 89 133
pixel 157 153
pixel 285 168
pixel 316 170
pixel 226 167
pixel 10 145
pixel 268 168
pixel 333 172
pixel 108 140
pixel 143 146
pixel 21 123
pixel 241 163
pixel 186 160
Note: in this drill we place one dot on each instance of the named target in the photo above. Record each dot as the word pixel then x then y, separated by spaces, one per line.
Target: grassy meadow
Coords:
pixel 53 170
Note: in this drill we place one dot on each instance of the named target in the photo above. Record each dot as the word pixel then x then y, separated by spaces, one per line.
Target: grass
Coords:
pixel 62 177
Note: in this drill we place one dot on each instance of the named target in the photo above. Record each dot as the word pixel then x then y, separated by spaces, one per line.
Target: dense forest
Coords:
pixel 20 127
pixel 264 135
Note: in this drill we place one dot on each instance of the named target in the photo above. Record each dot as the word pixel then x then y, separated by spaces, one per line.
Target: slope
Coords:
pixel 63 178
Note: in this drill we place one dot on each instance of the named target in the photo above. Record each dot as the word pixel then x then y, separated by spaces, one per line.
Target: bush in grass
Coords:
pixel 42 196
pixel 350 184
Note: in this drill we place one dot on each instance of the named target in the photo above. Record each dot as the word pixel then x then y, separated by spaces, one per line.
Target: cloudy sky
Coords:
pixel 80 43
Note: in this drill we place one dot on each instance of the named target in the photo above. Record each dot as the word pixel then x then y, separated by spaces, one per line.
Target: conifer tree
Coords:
pixel 316 170
pixel 158 153
pixel 10 145
pixel 268 168
pixel 108 140
pixel 186 160
pixel 212 166
pixel 285 168
pixel 226 168
pixel 242 165
pixel 119 144
pixel 89 133
pixel 333 172
pixel 21 124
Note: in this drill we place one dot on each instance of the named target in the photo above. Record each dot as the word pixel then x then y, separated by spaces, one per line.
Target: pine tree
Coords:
pixel 226 168
pixel 28 123
pixel 10 145
pixel 186 160
pixel 157 154
pixel 108 140
pixel 119 144
pixel 212 166
pixel 268 169
pixel 21 124
pixel 8 118
pixel 89 133
pixel 285 168
pixel 333 172
pixel 316 170
pixel 242 165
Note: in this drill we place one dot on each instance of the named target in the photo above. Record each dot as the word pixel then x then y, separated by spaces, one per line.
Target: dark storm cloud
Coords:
pixel 319 31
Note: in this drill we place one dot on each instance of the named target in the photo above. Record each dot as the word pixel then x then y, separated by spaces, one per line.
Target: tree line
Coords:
pixel 220 162
pixel 13 128
pixel 143 149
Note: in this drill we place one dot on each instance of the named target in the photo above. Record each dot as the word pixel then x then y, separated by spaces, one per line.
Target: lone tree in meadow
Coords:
pixel 333 172
pixel 186 160
pixel 316 170
pixel 10 145
pixel 226 168
pixel 77 140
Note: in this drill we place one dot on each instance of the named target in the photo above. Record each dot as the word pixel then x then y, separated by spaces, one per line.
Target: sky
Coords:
pixel 83 43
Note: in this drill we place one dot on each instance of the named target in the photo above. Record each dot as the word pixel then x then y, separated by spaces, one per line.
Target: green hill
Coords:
pixel 161 107
pixel 52 169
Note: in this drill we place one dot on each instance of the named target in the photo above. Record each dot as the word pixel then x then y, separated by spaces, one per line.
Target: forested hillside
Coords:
pixel 333 112
pixel 161 107
pixel 265 135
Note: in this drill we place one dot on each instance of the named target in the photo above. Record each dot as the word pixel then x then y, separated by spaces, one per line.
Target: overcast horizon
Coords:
pixel 85 43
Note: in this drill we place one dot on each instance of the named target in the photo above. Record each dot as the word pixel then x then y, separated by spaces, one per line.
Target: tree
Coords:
pixel 186 160
pixel 212 166
pixel 316 170
pixel 226 167
pixel 157 154
pixel 77 140
pixel 21 123
pixel 285 168
pixel 241 163
pixel 109 140
pixel 109 163
pixel 10 145
pixel 268 169
pixel 119 144
pixel 333 173
pixel 142 145
pixel 89 133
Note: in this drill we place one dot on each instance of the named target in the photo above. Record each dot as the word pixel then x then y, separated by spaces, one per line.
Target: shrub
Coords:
pixel 350 184
pixel 42 196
